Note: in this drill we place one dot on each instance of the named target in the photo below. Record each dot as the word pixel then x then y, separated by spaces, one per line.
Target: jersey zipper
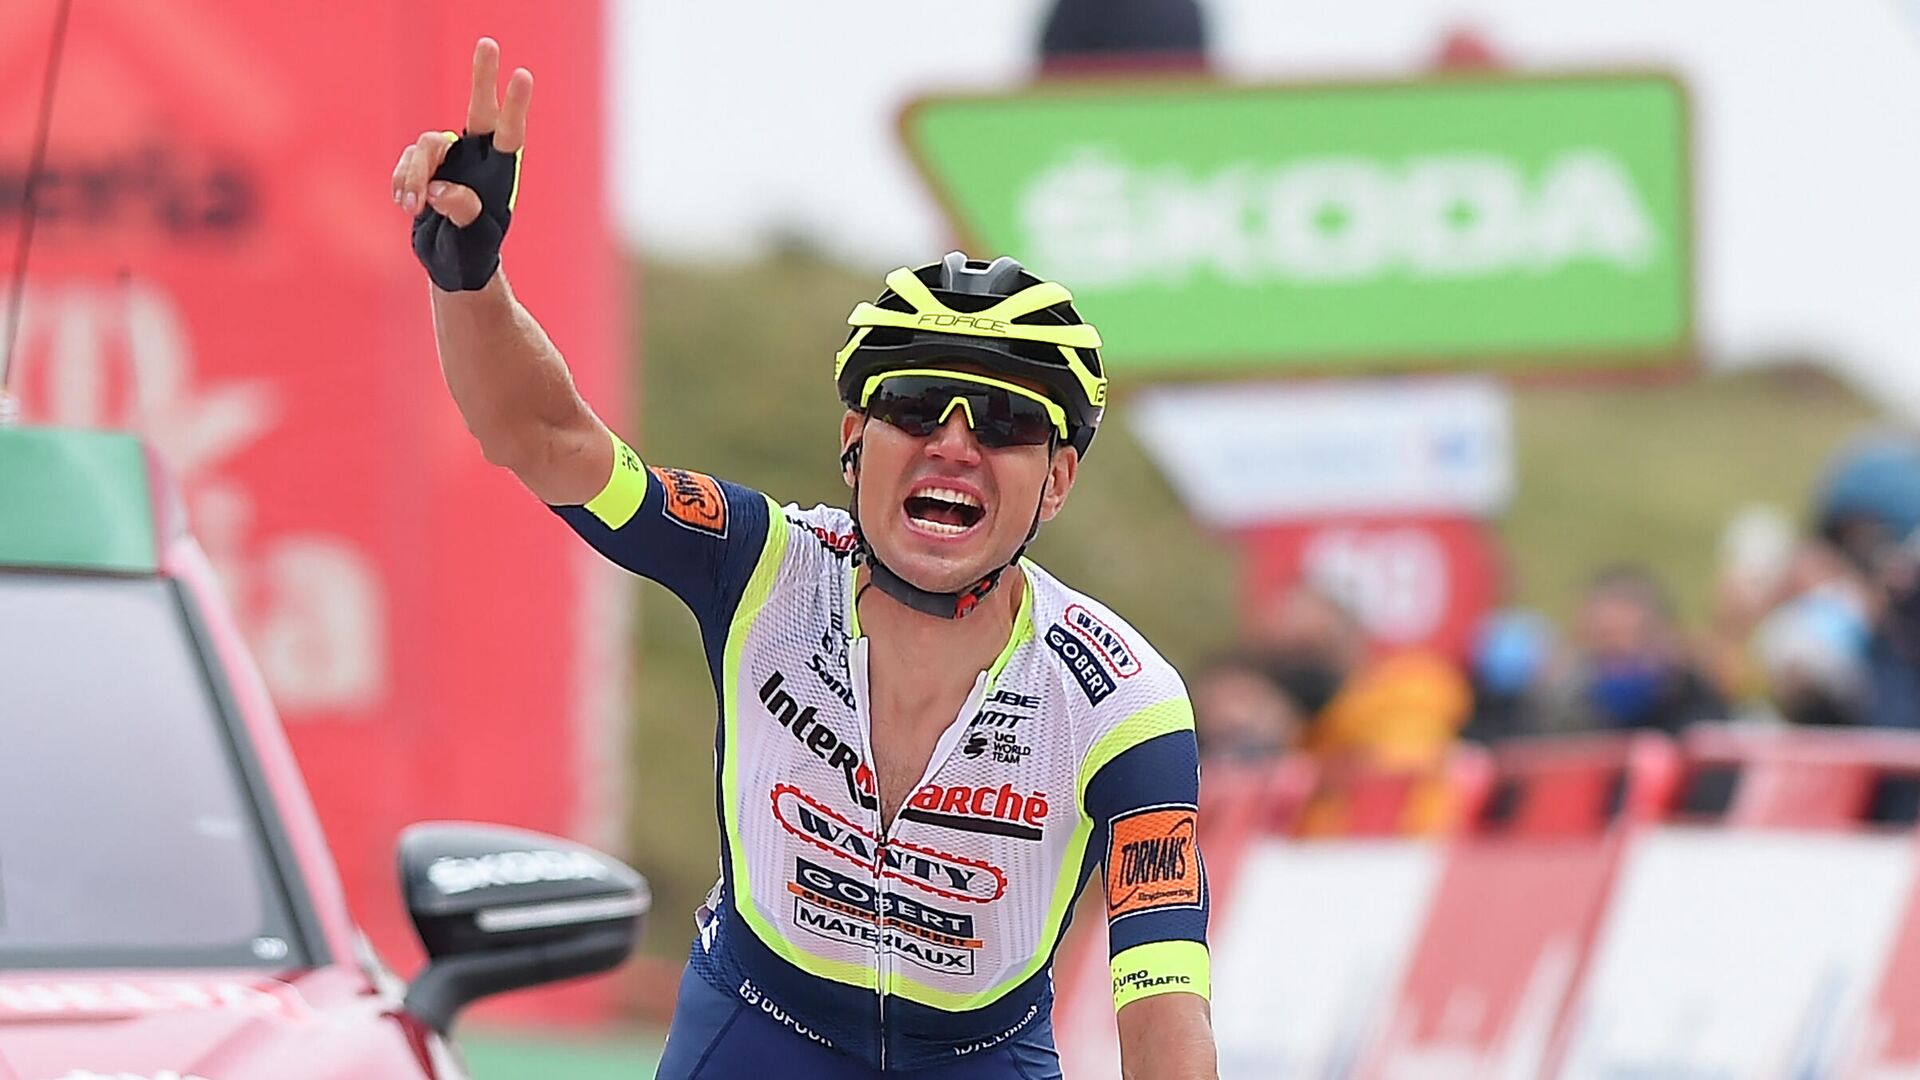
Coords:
pixel 857 669
pixel 883 958
pixel 882 830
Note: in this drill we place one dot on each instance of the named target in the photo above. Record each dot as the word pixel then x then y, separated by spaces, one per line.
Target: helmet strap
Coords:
pixel 953 605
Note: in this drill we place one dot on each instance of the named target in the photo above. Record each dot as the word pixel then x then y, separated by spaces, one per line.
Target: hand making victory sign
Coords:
pixel 462 188
pixel 510 383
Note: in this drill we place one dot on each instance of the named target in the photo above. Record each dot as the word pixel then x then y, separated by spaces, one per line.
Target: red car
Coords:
pixel 168 906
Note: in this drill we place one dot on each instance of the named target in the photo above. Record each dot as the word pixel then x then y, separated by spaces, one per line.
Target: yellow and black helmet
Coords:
pixel 994 315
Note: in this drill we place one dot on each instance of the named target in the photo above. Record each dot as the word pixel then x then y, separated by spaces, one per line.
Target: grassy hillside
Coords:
pixel 1652 474
pixel 736 381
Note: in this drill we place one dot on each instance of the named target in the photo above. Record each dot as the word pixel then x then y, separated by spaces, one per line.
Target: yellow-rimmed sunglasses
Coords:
pixel 1001 414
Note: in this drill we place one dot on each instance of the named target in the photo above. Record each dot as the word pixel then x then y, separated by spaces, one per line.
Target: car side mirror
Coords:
pixel 501 909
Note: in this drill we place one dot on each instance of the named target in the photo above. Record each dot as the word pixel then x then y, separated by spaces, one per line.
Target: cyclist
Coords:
pixel 926 744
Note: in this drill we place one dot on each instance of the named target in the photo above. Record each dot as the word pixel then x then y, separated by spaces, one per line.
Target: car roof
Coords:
pixel 76 500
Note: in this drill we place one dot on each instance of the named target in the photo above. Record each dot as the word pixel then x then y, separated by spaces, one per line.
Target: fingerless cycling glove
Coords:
pixel 464 259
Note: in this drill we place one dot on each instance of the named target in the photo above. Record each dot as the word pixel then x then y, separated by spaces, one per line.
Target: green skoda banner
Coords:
pixel 1484 221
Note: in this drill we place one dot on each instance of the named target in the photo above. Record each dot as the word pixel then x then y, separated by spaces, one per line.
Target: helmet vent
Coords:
pixel 1060 314
pixel 967 302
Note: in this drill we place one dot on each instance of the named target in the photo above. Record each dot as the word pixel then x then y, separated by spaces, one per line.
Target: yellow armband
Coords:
pixel 1161 967
pixel 626 489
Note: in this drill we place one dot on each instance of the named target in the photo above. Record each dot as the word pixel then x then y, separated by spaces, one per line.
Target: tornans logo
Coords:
pixel 1153 860
pixel 693 500
pixel 952 876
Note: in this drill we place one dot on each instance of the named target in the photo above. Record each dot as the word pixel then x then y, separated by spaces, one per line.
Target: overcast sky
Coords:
pixel 745 120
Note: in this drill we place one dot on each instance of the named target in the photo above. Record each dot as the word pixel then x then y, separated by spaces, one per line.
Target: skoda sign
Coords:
pixel 1483 221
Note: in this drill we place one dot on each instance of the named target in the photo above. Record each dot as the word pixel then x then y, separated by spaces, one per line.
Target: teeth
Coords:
pixel 948 495
pixel 940 527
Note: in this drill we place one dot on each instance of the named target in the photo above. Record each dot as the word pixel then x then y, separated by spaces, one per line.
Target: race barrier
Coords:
pixel 1736 903
pixel 1517 905
pixel 1889 1044
pixel 1751 945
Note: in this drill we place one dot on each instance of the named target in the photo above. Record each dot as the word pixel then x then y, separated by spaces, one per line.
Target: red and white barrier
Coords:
pixel 1613 906
pixel 1738 954
pixel 1517 906
pixel 1888 1047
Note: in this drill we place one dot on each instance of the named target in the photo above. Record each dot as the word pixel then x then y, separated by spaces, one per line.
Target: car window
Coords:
pixel 127 837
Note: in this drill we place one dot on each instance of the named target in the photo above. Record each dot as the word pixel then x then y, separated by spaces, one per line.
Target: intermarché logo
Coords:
pixel 818 739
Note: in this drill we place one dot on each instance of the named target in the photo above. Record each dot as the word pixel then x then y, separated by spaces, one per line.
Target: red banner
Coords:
pixel 217 263
pixel 1413 581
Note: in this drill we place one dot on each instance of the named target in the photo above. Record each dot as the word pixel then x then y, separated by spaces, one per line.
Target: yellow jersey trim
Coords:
pixel 1174 714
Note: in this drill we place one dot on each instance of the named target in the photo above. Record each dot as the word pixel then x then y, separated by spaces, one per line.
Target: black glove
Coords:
pixel 460 259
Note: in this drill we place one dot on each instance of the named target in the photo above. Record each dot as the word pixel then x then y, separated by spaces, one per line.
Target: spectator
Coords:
pixel 1309 642
pixel 1398 709
pixel 1240 714
pixel 1813 652
pixel 1403 710
pixel 1514 661
pixel 1759 552
pixel 1868 508
pixel 1635 669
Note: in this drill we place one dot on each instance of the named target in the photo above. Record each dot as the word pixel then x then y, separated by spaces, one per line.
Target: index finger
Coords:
pixel 483 101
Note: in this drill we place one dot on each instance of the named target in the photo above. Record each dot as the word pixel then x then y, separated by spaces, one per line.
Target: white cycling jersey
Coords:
pixel 911 942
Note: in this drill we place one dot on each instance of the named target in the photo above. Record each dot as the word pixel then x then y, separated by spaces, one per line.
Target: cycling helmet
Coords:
pixel 992 314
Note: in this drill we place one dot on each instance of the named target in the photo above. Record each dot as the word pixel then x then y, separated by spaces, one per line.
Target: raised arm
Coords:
pixel 507 378
pixel 513 388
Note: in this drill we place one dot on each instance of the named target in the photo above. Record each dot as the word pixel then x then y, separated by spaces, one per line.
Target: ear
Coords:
pixel 850 427
pixel 1062 468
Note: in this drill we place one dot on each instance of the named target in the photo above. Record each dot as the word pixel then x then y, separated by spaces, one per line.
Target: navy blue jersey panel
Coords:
pixel 706 568
pixel 1161 773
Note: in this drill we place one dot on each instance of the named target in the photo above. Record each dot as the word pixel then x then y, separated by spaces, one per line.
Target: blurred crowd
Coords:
pixel 1812 624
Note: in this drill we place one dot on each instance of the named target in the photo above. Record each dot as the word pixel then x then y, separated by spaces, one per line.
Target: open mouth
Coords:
pixel 944 511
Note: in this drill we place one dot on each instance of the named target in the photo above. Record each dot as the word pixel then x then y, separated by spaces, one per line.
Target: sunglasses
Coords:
pixel 1001 414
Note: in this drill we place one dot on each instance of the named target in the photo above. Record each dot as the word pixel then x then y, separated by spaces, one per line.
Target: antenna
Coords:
pixel 30 208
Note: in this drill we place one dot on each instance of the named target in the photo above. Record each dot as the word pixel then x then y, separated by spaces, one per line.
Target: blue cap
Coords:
pixel 1875 477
